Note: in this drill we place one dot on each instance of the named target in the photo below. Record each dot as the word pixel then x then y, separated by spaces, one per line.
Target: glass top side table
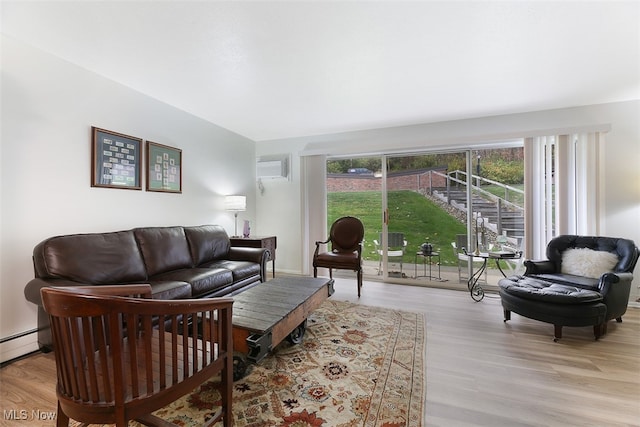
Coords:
pixel 475 289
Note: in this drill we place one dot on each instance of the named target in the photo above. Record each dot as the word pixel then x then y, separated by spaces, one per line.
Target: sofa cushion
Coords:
pixel 569 279
pixel 240 269
pixel 202 280
pixel 96 258
pixel 163 289
pixel 534 289
pixel 587 262
pixel 207 243
pixel 163 249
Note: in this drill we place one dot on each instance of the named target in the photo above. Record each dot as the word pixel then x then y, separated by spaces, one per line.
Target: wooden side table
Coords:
pixel 267 242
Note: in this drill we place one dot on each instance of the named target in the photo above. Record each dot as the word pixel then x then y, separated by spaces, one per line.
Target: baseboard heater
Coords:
pixel 18 335
pixel 14 337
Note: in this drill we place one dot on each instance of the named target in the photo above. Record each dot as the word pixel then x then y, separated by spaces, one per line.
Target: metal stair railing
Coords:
pixel 477 188
pixel 499 204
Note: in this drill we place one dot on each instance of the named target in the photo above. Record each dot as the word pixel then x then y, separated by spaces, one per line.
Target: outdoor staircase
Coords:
pixel 498 216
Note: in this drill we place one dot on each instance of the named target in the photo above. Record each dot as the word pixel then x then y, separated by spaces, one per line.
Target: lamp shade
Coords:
pixel 235 203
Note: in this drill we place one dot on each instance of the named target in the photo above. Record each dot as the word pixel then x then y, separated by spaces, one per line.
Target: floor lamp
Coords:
pixel 235 204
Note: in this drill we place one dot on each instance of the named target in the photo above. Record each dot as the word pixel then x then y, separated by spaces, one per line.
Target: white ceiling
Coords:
pixel 270 70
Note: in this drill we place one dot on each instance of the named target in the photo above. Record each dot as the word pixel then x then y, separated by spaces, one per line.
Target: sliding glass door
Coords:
pixel 421 227
pixel 424 212
pixel 409 231
pixel 354 188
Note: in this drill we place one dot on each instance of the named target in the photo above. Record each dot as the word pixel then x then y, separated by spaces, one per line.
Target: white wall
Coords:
pixel 48 108
pixel 621 163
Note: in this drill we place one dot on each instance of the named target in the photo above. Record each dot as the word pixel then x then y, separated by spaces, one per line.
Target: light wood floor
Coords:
pixel 479 370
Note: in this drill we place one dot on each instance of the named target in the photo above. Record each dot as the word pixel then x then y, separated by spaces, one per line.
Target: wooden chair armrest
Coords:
pixel 318 243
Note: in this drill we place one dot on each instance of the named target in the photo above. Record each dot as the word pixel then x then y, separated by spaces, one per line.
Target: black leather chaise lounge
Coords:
pixel 585 281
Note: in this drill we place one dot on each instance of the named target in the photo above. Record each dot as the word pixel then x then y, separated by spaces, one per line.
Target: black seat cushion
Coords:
pixel 539 290
pixel 569 279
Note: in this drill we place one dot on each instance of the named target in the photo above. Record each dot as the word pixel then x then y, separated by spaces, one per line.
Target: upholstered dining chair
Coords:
pixel 121 355
pixel 345 253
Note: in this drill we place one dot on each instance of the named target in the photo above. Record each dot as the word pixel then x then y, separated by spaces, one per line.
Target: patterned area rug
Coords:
pixel 357 366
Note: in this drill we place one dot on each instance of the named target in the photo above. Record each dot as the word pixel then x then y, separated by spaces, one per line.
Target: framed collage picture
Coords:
pixel 164 168
pixel 115 160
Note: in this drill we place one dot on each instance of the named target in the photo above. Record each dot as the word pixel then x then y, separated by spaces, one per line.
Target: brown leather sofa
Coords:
pixel 178 263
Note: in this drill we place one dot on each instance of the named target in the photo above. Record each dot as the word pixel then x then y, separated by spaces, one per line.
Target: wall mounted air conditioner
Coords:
pixel 272 167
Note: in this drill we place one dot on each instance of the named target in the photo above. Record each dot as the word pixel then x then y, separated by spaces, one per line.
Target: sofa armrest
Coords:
pixel 257 255
pixel 610 280
pixel 539 267
pixel 615 289
pixel 239 253
pixel 32 289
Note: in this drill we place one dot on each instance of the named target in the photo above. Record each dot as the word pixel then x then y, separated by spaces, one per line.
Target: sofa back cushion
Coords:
pixel 207 243
pixel 624 249
pixel 163 249
pixel 99 258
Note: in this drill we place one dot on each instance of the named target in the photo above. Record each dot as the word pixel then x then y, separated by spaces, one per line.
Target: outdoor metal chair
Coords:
pixel 396 246
pixel 465 256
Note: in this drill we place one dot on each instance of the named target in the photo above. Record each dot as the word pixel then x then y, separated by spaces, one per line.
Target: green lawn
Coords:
pixel 409 212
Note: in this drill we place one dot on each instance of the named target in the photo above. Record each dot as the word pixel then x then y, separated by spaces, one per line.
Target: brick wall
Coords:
pixel 421 180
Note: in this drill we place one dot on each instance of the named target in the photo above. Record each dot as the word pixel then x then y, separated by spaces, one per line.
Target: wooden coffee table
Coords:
pixel 267 313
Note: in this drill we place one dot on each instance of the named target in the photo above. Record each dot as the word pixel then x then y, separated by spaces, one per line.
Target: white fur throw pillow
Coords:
pixel 587 262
